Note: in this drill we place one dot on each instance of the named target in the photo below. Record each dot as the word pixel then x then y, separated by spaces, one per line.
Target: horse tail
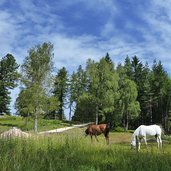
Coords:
pixel 162 129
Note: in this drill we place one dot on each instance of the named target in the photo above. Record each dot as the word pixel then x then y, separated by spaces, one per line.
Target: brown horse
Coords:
pixel 97 130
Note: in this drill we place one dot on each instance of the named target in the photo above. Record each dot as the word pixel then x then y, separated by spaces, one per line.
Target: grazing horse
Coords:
pixel 97 130
pixel 142 132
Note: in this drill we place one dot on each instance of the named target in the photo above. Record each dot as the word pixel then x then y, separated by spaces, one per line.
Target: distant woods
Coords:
pixel 125 95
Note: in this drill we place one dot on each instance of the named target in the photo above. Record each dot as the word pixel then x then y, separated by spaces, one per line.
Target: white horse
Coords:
pixel 142 132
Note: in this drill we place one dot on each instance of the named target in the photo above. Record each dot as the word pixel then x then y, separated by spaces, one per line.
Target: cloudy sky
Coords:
pixel 82 29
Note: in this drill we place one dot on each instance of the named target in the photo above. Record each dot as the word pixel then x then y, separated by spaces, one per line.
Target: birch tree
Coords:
pixel 36 73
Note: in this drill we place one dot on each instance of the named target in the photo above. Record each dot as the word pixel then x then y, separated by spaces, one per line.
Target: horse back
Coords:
pixel 148 130
pixel 96 129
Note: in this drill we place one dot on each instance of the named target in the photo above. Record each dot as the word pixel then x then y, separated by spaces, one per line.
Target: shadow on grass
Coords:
pixel 9 125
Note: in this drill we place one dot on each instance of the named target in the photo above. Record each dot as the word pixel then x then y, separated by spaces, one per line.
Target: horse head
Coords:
pixel 86 132
pixel 133 143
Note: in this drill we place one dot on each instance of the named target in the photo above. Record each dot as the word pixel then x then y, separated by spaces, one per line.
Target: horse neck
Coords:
pixel 133 137
pixel 135 134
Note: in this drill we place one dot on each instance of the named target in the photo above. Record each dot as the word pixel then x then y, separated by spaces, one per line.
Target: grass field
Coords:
pixel 24 124
pixel 72 151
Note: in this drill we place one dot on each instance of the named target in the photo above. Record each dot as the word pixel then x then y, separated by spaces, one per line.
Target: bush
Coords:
pixel 119 129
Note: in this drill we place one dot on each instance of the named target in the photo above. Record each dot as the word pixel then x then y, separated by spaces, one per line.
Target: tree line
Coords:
pixel 127 94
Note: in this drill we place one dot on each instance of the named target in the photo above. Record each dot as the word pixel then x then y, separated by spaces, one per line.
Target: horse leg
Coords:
pixel 138 144
pixel 91 138
pixel 107 140
pixel 96 138
pixel 107 137
pixel 159 141
pixel 145 141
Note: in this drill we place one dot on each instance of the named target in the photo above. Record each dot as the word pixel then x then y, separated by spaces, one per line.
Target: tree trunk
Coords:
pixel 70 112
pixel 124 122
pixel 35 123
pixel 151 112
pixel 97 115
pixel 26 120
pixel 126 126
pixel 97 119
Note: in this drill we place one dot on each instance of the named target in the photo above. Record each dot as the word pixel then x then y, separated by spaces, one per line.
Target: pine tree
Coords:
pixel 140 75
pixel 77 86
pixel 128 105
pixel 8 80
pixel 159 79
pixel 60 90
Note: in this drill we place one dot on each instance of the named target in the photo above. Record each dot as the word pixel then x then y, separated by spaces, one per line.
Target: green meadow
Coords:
pixel 72 151
pixel 27 124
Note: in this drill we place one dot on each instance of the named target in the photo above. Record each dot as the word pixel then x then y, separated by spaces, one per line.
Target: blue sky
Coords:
pixel 82 29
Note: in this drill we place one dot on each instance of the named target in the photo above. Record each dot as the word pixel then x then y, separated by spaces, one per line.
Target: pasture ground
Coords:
pixel 72 151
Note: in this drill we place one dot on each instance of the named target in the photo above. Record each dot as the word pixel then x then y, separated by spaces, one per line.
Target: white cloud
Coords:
pixel 74 51
pixel 158 18
pixel 31 25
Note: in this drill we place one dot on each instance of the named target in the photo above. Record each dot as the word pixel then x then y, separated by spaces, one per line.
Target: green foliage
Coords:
pixel 154 104
pixel 102 85
pixel 130 95
pixel 36 74
pixel 85 110
pixel 61 90
pixel 77 85
pixel 8 69
pixel 128 104
pixel 119 129
pixel 38 65
pixel 159 79
pixel 8 80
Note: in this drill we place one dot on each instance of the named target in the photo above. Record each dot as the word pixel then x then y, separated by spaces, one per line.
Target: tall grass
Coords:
pixel 77 153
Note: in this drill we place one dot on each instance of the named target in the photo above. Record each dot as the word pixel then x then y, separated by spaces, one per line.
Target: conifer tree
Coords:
pixel 61 90
pixel 8 80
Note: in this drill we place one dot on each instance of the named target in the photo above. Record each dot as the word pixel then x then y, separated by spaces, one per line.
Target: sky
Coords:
pixel 82 29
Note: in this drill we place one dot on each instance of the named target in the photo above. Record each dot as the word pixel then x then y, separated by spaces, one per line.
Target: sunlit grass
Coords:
pixel 72 151
pixel 27 124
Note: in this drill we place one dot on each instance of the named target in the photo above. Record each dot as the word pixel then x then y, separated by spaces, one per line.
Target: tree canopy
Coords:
pixel 125 95
pixel 36 74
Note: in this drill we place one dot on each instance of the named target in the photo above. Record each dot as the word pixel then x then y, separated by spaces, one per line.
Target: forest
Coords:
pixel 126 95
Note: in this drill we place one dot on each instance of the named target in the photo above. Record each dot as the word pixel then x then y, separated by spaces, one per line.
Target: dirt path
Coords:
pixel 65 128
